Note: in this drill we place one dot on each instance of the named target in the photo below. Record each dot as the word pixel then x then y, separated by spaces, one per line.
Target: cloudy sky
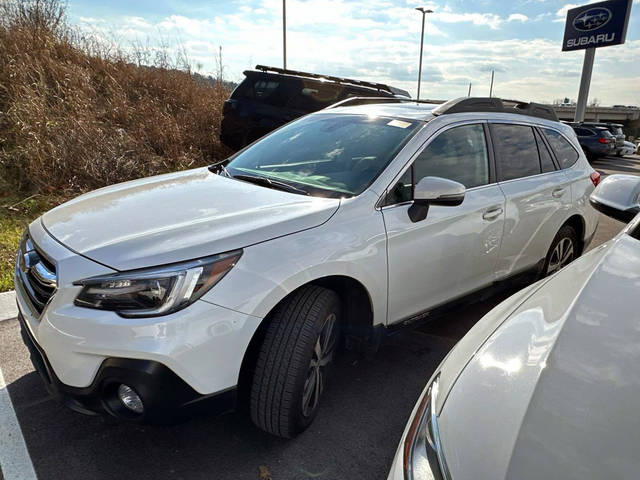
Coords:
pixel 379 40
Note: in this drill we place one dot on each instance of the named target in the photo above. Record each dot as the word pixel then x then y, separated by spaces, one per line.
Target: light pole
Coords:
pixel 424 13
pixel 284 33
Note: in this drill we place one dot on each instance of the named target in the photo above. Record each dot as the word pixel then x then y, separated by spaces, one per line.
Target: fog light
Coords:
pixel 130 399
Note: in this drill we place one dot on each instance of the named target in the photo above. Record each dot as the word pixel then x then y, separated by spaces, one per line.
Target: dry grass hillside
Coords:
pixel 76 115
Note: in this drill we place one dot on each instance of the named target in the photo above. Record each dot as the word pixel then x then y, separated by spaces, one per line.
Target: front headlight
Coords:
pixel 422 451
pixel 155 291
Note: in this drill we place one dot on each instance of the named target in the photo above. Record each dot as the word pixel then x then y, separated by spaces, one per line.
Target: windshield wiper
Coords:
pixel 267 182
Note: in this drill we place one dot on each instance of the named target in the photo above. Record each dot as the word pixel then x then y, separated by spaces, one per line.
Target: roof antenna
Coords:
pixel 469 94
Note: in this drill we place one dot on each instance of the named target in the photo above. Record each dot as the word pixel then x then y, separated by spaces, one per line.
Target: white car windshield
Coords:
pixel 325 155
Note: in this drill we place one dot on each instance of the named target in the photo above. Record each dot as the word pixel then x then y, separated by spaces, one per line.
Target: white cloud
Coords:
pixel 518 17
pixel 489 19
pixel 379 40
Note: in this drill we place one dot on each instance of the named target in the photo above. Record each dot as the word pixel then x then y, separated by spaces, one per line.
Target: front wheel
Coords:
pixel 293 362
pixel 563 251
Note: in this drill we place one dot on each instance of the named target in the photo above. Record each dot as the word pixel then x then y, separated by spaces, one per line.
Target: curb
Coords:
pixel 8 307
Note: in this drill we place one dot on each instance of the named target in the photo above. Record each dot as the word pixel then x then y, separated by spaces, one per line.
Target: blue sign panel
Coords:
pixel 597 25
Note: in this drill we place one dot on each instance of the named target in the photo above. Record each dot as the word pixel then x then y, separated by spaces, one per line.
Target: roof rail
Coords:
pixel 353 101
pixel 472 104
pixel 360 83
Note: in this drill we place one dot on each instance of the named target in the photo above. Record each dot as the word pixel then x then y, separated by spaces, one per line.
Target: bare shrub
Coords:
pixel 77 115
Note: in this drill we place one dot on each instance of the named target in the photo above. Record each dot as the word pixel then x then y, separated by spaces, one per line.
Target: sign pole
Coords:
pixel 284 33
pixel 585 83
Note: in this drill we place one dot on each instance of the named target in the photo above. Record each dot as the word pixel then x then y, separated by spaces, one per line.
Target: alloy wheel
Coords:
pixel 562 255
pixel 322 356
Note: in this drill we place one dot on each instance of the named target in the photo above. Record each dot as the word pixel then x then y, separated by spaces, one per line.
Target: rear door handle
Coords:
pixel 493 213
pixel 558 192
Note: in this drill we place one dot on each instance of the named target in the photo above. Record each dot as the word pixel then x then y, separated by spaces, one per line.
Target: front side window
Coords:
pixel 458 154
pixel 516 151
pixel 327 154
pixel 565 153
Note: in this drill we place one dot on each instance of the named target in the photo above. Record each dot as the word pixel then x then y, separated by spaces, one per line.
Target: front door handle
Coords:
pixel 492 214
pixel 558 192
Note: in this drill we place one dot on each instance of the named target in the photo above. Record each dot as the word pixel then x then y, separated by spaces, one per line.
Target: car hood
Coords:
pixel 553 392
pixel 180 216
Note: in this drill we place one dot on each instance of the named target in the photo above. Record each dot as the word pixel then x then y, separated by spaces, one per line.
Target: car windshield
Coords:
pixel 326 155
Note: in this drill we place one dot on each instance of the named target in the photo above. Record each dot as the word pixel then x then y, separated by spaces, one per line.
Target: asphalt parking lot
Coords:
pixel 355 435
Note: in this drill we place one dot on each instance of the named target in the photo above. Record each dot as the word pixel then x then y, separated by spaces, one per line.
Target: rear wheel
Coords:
pixel 563 251
pixel 294 360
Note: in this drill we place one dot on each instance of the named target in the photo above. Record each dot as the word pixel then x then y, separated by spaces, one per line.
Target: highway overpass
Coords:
pixel 599 114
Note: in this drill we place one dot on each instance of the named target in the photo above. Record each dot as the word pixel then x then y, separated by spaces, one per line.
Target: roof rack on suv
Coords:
pixel 470 104
pixel 360 83
pixel 463 105
pixel 353 101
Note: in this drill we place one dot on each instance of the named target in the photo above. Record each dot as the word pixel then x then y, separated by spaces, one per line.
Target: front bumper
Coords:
pixel 165 396
pixel 175 360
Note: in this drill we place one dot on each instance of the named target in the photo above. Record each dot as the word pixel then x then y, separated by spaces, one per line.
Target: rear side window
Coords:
pixel 546 162
pixel 458 154
pixel 311 96
pixel 565 153
pixel 516 151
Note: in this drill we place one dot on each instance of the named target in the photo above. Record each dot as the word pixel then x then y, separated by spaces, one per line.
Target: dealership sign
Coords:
pixel 597 25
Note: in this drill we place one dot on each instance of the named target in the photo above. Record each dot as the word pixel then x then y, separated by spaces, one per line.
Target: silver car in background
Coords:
pixel 547 384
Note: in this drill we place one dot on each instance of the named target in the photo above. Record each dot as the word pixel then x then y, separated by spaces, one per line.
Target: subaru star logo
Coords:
pixel 592 19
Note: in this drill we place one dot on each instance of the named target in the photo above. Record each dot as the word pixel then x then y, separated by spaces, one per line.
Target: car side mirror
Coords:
pixel 617 197
pixel 435 191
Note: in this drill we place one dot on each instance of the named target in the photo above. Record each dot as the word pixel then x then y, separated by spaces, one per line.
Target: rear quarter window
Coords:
pixel 565 153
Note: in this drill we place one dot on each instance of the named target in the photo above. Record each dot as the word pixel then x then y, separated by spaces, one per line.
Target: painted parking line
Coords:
pixel 8 307
pixel 15 461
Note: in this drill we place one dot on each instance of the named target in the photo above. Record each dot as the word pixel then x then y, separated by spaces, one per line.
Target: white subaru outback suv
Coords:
pixel 206 287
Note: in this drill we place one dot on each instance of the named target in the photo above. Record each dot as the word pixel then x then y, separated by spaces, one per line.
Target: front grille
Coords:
pixel 36 273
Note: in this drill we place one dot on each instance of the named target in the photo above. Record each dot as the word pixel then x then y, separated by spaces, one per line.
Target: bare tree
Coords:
pixel 219 66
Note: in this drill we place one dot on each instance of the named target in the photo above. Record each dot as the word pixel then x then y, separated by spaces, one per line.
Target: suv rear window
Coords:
pixel 264 89
pixel 516 151
pixel 565 153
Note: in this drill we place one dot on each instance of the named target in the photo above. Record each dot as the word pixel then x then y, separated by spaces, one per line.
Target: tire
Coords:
pixel 283 400
pixel 564 247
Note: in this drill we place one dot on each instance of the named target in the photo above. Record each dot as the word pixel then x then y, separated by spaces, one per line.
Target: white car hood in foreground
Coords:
pixel 554 392
pixel 179 216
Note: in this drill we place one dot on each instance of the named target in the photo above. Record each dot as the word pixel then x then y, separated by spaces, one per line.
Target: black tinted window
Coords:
pixel 311 96
pixel 262 89
pixel 458 154
pixel 584 132
pixel 516 151
pixel 546 162
pixel 565 153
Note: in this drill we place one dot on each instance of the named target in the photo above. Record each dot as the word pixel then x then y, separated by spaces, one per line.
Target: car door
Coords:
pixel 538 196
pixel 454 250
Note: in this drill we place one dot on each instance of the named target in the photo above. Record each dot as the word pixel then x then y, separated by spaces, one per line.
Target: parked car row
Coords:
pixel 544 386
pixel 599 139
pixel 597 142
pixel 145 300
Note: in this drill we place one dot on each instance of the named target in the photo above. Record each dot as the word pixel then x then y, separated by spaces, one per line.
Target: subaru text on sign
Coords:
pixel 597 25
